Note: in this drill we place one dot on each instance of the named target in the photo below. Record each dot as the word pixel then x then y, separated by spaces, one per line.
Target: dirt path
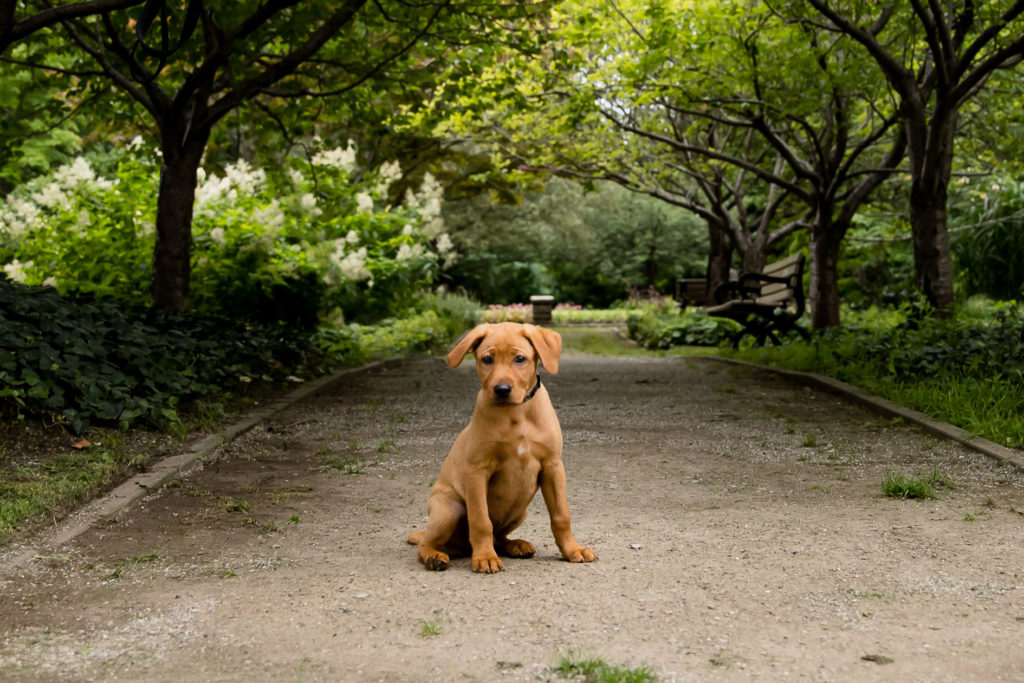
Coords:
pixel 739 520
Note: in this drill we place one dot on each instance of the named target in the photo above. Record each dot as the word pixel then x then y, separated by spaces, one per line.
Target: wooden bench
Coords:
pixel 767 304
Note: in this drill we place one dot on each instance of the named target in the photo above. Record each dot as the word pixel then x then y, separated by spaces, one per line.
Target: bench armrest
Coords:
pixel 727 291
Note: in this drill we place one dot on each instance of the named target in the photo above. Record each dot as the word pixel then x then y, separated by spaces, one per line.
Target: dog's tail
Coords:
pixel 415 537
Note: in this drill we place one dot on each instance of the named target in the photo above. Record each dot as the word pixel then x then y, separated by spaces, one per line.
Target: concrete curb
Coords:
pixel 880 405
pixel 116 501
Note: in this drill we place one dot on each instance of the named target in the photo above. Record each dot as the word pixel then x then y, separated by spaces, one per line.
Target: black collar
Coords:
pixel 533 391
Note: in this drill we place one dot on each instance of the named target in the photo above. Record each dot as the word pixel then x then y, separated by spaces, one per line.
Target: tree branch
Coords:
pixel 12 31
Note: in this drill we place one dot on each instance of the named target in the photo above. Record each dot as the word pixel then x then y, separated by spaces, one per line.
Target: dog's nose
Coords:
pixel 502 390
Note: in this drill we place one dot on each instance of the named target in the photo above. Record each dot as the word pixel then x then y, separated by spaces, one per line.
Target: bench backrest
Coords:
pixel 782 293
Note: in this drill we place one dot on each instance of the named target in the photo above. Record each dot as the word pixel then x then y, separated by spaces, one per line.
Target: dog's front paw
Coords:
pixel 435 560
pixel 580 554
pixel 487 564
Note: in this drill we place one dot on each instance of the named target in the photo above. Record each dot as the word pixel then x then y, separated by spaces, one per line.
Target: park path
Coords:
pixel 739 521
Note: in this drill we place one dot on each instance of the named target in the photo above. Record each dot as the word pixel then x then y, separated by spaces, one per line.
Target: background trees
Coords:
pixel 686 102
pixel 936 57
pixel 657 97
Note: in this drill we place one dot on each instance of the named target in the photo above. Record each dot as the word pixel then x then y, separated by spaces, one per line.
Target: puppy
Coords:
pixel 511 448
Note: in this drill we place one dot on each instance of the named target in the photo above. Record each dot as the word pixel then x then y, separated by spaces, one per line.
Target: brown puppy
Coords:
pixel 512 447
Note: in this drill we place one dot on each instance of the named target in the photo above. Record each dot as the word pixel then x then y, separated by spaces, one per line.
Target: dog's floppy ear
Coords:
pixel 548 344
pixel 469 342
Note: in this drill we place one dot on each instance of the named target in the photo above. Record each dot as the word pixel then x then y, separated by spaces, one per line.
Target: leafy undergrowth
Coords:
pixel 655 329
pixel 93 362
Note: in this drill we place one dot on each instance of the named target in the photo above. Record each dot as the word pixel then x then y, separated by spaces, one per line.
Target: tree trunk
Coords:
pixel 932 258
pixel 754 258
pixel 929 193
pixel 823 297
pixel 172 264
pixel 719 258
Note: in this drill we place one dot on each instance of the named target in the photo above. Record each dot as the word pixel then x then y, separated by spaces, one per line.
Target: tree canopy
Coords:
pixel 690 102
pixel 780 125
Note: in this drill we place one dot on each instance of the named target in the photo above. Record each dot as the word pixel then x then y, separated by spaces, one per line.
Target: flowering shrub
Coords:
pixel 577 315
pixel 315 240
pixel 514 313
pixel 562 314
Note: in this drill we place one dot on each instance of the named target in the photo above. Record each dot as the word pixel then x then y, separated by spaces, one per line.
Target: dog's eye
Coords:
pixel 519 360
pixel 487 360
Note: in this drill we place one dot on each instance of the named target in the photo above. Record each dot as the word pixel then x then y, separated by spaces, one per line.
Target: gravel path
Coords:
pixel 739 520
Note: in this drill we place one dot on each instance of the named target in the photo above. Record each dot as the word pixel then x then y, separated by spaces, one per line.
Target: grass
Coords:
pixel 347 465
pixel 965 371
pixel 428 629
pixel 979 405
pixel 236 505
pixel 595 670
pixel 131 561
pixel 57 484
pixel 984 406
pixel 920 488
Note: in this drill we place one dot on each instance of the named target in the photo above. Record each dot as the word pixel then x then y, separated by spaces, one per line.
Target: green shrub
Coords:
pixel 983 339
pixel 654 330
pixel 430 326
pixel 989 247
pixel 457 313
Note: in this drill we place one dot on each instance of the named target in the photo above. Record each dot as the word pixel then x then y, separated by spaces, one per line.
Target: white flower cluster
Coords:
pixel 389 172
pixel 409 252
pixel 342 159
pixel 238 177
pixel 364 203
pixel 427 202
pixel 17 216
pixel 20 215
pixel 351 264
pixel 16 270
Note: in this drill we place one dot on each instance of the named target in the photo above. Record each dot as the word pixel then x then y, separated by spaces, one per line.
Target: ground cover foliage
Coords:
pixel 654 327
pixel 93 361
pixel 83 360
pixel 967 370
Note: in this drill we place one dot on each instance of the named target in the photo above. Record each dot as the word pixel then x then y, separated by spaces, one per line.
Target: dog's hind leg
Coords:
pixel 443 515
pixel 513 547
